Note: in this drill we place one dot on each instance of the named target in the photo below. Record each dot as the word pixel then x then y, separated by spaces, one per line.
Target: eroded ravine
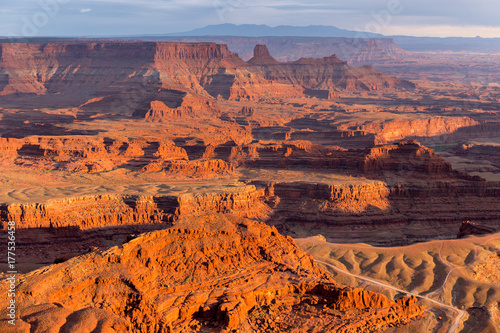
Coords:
pixel 463 286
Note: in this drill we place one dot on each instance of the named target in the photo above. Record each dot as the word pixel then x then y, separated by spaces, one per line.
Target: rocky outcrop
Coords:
pixel 195 169
pixel 406 156
pixel 364 213
pixel 116 210
pixel 261 56
pixel 190 107
pixel 10 147
pixel 120 78
pixel 356 51
pixel 103 154
pixel 211 273
pixel 321 93
pixel 468 228
pixel 247 111
pixel 346 197
pixel 329 73
pixel 433 127
pixel 92 212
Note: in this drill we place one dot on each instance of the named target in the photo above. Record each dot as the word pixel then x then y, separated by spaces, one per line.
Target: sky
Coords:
pixel 435 18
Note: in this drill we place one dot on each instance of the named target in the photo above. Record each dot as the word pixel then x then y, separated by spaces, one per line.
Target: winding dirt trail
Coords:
pixel 460 313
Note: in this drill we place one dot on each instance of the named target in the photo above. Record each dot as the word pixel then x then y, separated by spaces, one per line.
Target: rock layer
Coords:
pixel 329 73
pixel 356 51
pixel 379 214
pixel 115 210
pixel 133 74
pixel 205 273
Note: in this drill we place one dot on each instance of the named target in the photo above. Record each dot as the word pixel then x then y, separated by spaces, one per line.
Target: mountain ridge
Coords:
pixel 254 30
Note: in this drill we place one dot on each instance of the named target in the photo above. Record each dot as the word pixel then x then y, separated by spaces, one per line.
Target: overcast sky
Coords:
pixel 131 17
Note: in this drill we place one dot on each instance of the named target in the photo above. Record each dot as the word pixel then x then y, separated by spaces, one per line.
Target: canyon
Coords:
pixel 356 51
pixel 176 187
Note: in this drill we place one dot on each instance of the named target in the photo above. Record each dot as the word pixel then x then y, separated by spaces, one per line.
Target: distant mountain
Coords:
pixel 253 30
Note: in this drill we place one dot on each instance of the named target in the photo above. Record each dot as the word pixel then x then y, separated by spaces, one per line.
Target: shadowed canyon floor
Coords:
pixel 155 187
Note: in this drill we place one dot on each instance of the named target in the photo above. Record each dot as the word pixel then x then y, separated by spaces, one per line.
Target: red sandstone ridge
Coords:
pixel 109 67
pixel 329 73
pixel 123 77
pixel 107 210
pixel 196 169
pixel 398 129
pixel 407 155
pixel 247 111
pixel 356 51
pixel 190 106
pixel 213 273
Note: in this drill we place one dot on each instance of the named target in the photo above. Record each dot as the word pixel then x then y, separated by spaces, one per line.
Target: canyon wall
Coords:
pixel 104 154
pixel 431 207
pixel 356 52
pixel 382 196
pixel 159 154
pixel 131 75
pixel 398 129
pixel 328 73
pixel 381 214
pixel 115 210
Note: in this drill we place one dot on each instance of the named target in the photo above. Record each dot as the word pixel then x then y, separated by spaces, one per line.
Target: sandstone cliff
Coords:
pixel 125 76
pixel 213 273
pixel 407 155
pixel 61 67
pixel 382 214
pixel 451 196
pixel 404 156
pixel 121 78
pixel 356 52
pixel 397 129
pixel 329 73
pixel 115 210
pixel 104 154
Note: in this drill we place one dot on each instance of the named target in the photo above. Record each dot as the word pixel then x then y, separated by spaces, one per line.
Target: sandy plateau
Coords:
pixel 175 187
pixel 454 278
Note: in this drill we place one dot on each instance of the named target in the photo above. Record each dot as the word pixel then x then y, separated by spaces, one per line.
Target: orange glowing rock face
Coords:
pixel 215 272
pixel 156 186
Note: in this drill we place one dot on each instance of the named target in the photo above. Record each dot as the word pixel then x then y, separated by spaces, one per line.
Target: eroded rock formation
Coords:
pixel 449 196
pixel 356 51
pixel 132 75
pixel 468 228
pixel 207 273
pixel 329 73
pixel 114 210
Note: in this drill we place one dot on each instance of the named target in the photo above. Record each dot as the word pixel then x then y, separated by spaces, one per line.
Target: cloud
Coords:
pixel 130 17
pixel 443 31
